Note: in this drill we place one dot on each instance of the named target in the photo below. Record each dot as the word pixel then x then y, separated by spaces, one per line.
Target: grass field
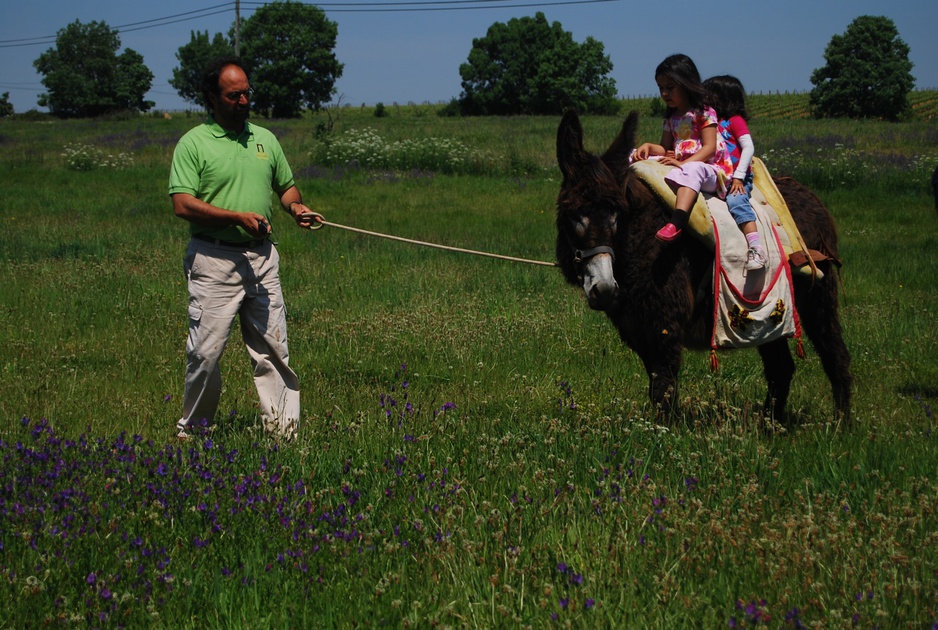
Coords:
pixel 477 449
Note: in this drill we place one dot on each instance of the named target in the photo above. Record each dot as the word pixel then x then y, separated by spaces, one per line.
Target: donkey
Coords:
pixel 659 296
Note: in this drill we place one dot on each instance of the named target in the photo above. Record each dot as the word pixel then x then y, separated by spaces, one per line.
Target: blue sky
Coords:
pixel 414 56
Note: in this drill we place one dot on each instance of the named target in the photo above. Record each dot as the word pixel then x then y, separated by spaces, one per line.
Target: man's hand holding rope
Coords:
pixel 304 217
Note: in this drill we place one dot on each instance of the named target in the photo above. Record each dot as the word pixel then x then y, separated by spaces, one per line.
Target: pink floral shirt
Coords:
pixel 686 130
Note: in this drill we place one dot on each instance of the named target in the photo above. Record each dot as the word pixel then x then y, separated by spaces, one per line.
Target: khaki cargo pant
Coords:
pixel 225 281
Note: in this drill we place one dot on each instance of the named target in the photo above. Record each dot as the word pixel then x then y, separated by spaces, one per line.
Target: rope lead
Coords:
pixel 321 222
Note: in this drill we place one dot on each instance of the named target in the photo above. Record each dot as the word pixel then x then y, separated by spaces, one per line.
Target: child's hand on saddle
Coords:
pixel 643 152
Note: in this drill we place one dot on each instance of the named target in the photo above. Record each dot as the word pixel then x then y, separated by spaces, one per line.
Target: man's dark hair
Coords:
pixel 212 73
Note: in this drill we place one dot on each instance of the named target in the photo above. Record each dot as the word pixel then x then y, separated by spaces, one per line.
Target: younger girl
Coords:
pixel 689 141
pixel 728 97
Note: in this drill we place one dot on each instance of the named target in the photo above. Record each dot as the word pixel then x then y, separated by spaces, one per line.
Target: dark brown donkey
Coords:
pixel 658 295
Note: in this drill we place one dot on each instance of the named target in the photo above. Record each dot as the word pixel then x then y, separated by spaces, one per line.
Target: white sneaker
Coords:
pixel 756 260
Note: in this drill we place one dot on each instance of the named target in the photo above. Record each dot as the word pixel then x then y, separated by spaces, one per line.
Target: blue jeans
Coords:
pixel 739 204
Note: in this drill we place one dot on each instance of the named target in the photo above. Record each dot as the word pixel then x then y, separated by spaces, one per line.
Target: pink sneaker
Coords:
pixel 668 233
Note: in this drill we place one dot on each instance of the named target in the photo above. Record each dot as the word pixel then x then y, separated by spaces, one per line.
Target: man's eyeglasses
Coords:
pixel 236 96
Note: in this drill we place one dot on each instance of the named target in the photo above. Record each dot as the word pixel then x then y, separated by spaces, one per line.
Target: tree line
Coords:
pixel 524 66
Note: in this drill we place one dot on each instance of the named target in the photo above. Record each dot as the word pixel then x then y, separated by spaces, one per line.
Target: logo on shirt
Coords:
pixel 261 154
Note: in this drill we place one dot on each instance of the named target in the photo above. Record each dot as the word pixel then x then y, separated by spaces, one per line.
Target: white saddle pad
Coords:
pixel 750 307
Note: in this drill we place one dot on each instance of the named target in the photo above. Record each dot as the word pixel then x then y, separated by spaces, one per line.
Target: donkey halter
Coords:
pixel 582 255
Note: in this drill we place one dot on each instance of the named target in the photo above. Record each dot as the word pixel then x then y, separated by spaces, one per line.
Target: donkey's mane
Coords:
pixel 640 194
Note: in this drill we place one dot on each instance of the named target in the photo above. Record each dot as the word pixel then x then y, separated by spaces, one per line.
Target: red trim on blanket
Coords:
pixel 718 272
pixel 769 286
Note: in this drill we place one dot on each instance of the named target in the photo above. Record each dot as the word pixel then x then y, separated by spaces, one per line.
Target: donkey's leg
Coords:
pixel 662 365
pixel 779 369
pixel 821 324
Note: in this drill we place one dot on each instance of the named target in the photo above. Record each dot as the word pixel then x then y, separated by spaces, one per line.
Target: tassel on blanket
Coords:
pixel 714 361
pixel 799 350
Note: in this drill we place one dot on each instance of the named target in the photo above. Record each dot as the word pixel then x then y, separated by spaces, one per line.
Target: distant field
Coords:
pixel 787 106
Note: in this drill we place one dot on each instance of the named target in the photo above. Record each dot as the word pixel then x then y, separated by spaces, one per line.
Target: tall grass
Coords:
pixel 477 447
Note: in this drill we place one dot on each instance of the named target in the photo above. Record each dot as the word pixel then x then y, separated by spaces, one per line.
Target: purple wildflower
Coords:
pixel 793 618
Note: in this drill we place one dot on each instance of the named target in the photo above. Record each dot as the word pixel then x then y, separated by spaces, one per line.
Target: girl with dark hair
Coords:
pixel 728 97
pixel 689 141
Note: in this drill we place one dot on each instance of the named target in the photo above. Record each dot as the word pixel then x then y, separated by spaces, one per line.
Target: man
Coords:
pixel 222 176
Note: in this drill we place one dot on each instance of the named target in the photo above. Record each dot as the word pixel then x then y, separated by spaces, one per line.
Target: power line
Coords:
pixel 345 7
pixel 405 3
pixel 32 41
pixel 123 29
pixel 128 28
pixel 469 8
pixel 23 87
pixel 227 5
pixel 434 5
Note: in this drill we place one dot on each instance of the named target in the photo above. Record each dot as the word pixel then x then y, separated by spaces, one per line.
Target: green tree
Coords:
pixel 85 76
pixel 6 107
pixel 289 49
pixel 868 73
pixel 193 58
pixel 527 66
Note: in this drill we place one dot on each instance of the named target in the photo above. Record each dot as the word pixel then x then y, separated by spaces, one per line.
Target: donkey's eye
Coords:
pixel 580 226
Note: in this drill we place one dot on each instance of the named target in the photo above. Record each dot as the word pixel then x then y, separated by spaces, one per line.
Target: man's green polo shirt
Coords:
pixel 234 171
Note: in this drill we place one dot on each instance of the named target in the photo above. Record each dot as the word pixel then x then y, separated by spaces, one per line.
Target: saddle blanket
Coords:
pixel 750 307
pixel 765 197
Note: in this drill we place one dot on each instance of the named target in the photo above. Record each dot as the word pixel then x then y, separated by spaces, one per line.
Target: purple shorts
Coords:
pixel 698 176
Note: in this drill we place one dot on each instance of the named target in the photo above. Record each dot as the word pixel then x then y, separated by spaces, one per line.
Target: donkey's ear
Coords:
pixel 570 153
pixel 617 155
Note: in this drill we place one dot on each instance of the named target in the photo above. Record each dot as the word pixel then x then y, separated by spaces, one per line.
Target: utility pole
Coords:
pixel 237 28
